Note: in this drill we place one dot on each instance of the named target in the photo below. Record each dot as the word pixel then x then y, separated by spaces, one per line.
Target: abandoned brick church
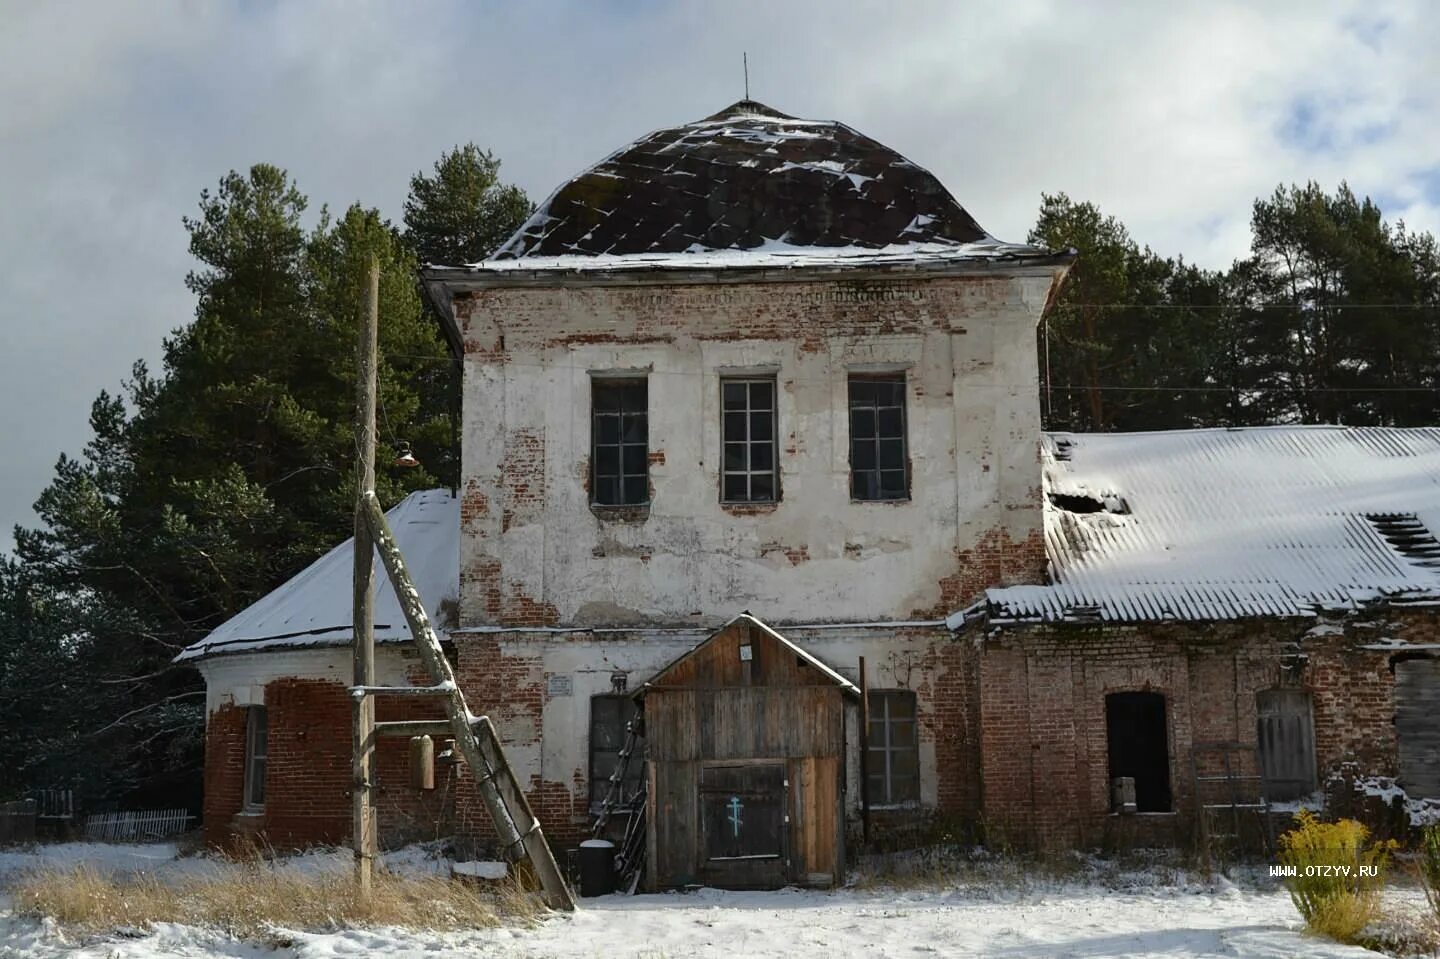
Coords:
pixel 751 405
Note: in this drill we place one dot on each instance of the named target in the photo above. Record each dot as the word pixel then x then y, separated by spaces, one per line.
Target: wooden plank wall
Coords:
pixel 717 662
pixel 1417 725
pixel 744 723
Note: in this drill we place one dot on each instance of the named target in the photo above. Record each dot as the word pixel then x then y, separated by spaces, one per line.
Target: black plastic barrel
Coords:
pixel 597 867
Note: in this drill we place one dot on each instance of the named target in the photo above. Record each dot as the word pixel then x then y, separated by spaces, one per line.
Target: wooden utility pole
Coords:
pixel 363 831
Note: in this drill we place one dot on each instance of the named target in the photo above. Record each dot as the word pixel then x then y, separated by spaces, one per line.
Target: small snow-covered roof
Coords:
pixel 314 607
pixel 1220 524
pixel 749 187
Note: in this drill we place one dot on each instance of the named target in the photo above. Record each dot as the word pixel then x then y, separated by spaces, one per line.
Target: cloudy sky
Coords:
pixel 115 115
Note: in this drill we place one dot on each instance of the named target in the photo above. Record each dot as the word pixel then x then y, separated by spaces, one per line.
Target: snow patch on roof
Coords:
pixel 1227 523
pixel 314 607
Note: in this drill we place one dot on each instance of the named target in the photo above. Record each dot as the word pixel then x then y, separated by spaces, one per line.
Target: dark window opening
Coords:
pixel 879 458
pixel 1139 747
pixel 619 454
pixel 257 749
pixel 609 717
pixel 749 472
pixel 892 773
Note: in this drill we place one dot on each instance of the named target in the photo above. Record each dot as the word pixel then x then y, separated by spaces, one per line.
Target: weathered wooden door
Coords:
pixel 1417 725
pixel 742 823
pixel 1285 734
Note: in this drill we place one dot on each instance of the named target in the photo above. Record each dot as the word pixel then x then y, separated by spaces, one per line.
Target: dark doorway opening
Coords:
pixel 1139 747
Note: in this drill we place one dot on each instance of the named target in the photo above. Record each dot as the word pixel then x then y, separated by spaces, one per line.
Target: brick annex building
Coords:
pixel 756 364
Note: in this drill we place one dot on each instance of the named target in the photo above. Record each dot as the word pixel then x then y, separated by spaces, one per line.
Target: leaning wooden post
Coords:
pixel 363 831
pixel 475 737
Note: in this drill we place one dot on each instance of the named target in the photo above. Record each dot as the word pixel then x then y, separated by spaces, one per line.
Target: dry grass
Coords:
pixel 254 898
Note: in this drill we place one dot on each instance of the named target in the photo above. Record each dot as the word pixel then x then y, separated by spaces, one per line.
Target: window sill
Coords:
pixel 638 513
pixel 896 501
pixel 750 509
pixel 1134 815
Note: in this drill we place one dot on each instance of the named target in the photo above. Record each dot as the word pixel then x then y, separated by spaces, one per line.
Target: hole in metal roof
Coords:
pixel 1408 536
pixel 1087 502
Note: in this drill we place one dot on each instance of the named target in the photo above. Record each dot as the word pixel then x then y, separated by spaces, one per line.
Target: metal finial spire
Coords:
pixel 745 61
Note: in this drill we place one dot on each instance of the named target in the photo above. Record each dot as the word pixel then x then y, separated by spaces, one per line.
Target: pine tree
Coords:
pixel 462 213
pixel 208 485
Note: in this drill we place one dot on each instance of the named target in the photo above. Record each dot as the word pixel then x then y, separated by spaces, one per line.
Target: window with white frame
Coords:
pixel 257 748
pixel 749 470
pixel 893 749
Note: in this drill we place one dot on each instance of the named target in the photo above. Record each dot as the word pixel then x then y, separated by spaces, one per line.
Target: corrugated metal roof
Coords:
pixel 314 607
pixel 1224 524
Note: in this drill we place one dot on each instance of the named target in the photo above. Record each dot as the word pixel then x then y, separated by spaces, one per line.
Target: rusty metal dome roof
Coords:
pixel 745 178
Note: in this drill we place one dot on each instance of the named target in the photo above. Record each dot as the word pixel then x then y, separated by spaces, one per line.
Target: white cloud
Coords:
pixel 1173 118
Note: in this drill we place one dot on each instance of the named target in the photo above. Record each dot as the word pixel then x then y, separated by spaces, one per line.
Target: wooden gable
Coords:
pixel 746 652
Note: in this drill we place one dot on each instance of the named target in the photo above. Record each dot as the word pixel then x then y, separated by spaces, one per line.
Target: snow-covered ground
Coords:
pixel 1155 916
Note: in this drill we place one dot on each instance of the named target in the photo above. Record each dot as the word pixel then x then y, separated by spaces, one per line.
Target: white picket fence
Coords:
pixel 135 825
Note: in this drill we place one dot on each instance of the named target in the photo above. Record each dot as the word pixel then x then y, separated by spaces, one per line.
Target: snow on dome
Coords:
pixel 314 607
pixel 748 178
pixel 1219 524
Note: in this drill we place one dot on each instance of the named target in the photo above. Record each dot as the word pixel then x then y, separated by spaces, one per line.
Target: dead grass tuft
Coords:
pixel 254 898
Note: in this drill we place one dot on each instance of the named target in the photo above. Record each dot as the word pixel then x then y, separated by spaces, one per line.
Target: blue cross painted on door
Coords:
pixel 735 806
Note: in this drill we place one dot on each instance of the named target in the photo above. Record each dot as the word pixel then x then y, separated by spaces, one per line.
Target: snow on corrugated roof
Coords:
pixel 1224 524
pixel 314 607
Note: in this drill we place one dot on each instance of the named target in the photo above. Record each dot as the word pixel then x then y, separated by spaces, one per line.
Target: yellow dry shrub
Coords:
pixel 1337 878
pixel 254 898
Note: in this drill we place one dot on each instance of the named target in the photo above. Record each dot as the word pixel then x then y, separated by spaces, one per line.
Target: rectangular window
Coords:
pixel 879 460
pixel 257 747
pixel 609 716
pixel 893 756
pixel 1139 746
pixel 619 454
pixel 749 473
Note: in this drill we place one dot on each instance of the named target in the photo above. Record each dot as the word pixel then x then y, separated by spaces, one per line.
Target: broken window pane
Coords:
pixel 619 457
pixel 748 470
pixel 879 462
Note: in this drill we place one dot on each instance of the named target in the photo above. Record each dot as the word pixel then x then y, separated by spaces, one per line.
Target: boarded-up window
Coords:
pixel 1417 725
pixel 893 760
pixel 742 811
pixel 257 749
pixel 879 461
pixel 619 461
pixel 1139 747
pixel 1285 735
pixel 609 716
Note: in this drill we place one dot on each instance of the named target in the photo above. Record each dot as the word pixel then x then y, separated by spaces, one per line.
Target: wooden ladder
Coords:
pixel 518 828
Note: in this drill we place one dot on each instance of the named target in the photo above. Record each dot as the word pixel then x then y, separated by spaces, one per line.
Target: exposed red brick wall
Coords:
pixel 307 786
pixel 1042 710
pixel 511 690
pixel 224 771
pixel 997 560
